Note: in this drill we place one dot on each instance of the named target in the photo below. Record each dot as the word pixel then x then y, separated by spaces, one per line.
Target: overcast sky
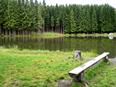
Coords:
pixel 83 2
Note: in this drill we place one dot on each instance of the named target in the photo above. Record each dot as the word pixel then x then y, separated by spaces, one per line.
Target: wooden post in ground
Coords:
pixel 78 54
pixel 106 59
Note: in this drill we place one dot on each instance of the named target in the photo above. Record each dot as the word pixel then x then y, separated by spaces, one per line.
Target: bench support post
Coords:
pixel 106 59
pixel 78 73
pixel 80 77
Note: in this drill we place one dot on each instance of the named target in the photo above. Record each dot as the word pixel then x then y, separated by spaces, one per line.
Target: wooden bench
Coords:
pixel 78 73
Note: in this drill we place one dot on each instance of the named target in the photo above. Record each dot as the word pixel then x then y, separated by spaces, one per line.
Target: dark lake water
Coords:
pixel 98 45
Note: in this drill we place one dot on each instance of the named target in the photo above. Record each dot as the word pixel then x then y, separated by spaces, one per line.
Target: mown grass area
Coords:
pixel 37 68
pixel 30 68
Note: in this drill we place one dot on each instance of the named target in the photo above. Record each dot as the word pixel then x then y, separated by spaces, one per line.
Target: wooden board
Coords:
pixel 83 67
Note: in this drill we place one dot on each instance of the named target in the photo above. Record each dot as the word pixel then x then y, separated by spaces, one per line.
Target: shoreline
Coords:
pixel 48 35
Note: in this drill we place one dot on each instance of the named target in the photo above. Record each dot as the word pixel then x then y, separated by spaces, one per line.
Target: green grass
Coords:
pixel 48 35
pixel 37 68
pixel 38 35
pixel 89 35
pixel 106 77
pixel 57 35
pixel 30 68
pixel 101 75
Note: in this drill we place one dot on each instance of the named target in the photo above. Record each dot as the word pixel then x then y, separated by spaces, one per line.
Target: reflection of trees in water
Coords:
pixel 98 45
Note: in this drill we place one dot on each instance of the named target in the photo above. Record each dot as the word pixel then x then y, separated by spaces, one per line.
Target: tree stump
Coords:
pixel 64 83
pixel 78 54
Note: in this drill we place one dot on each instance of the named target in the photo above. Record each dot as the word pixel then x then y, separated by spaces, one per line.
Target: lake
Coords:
pixel 98 45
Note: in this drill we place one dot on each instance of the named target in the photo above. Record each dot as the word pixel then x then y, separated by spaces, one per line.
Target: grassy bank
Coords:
pixel 47 35
pixel 89 35
pixel 30 68
pixel 38 35
pixel 57 35
pixel 27 68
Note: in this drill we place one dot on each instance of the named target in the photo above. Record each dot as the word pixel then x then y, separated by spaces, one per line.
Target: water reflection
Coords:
pixel 98 45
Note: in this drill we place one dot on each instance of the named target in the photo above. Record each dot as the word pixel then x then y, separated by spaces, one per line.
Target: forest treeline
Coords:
pixel 20 16
pixel 26 16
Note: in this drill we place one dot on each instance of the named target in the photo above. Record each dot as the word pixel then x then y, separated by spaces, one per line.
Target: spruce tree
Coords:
pixel 94 24
pixel 72 22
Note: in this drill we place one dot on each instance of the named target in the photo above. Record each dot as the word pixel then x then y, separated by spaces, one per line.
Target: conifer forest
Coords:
pixel 19 17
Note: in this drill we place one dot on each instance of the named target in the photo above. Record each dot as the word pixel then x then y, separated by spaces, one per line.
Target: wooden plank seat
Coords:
pixel 77 73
